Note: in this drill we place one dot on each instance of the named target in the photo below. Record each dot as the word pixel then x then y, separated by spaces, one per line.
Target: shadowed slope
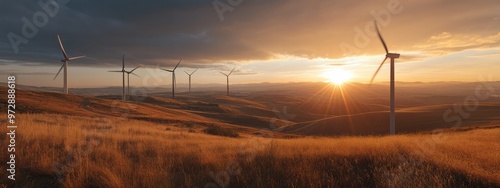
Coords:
pixel 408 120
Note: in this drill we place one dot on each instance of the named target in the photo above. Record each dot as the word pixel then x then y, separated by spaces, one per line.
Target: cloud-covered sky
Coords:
pixel 288 38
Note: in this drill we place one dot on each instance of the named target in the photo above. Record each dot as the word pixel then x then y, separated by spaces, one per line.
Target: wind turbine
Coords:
pixel 392 56
pixel 227 76
pixel 123 75
pixel 65 65
pixel 173 78
pixel 128 79
pixel 190 78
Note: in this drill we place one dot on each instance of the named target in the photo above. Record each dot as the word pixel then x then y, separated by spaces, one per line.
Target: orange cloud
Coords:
pixel 446 43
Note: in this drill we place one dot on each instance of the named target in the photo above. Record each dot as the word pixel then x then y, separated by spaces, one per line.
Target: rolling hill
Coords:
pixel 191 113
pixel 335 115
pixel 83 141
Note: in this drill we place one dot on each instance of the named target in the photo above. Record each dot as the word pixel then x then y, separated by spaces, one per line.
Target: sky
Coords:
pixel 264 40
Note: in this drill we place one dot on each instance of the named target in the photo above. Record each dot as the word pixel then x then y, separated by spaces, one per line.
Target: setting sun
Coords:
pixel 242 93
pixel 337 76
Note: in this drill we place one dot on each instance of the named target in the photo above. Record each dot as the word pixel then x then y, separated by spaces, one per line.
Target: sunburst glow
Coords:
pixel 337 76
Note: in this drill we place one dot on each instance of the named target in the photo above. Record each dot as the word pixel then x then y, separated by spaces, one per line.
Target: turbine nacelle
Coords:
pixel 392 55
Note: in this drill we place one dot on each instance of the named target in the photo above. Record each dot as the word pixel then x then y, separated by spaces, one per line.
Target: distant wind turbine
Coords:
pixel 173 78
pixel 65 65
pixel 392 56
pixel 123 75
pixel 190 78
pixel 227 76
pixel 128 80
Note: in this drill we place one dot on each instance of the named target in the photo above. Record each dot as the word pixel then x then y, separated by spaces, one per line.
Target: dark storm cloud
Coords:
pixel 153 32
pixel 159 32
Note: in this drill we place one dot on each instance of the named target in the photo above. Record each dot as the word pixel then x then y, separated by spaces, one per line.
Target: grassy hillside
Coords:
pixel 76 151
pixel 77 141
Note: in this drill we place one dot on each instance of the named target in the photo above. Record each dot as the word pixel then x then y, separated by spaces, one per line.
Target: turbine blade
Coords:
pixel 166 70
pixel 232 71
pixel 177 65
pixel 187 73
pixel 194 71
pixel 223 73
pixel 62 48
pixel 123 62
pixel 371 81
pixel 58 72
pixel 134 69
pixel 135 74
pixel 73 58
pixel 381 38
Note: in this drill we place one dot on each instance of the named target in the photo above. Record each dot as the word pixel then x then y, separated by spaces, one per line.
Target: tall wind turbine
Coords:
pixel 65 65
pixel 128 79
pixel 392 56
pixel 190 78
pixel 123 75
pixel 227 76
pixel 173 78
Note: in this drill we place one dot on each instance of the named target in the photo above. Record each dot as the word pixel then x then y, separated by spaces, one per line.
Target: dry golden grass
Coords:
pixel 73 151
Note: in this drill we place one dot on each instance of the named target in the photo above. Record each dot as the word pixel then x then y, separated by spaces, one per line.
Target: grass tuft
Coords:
pixel 221 131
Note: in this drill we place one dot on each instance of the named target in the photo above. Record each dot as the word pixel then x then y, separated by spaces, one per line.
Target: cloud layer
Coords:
pixel 159 32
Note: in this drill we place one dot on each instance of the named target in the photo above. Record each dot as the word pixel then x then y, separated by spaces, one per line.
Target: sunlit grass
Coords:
pixel 122 153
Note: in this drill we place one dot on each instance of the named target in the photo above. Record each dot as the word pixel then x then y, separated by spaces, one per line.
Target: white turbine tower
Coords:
pixel 123 77
pixel 190 78
pixel 392 56
pixel 65 65
pixel 128 79
pixel 227 76
pixel 173 78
